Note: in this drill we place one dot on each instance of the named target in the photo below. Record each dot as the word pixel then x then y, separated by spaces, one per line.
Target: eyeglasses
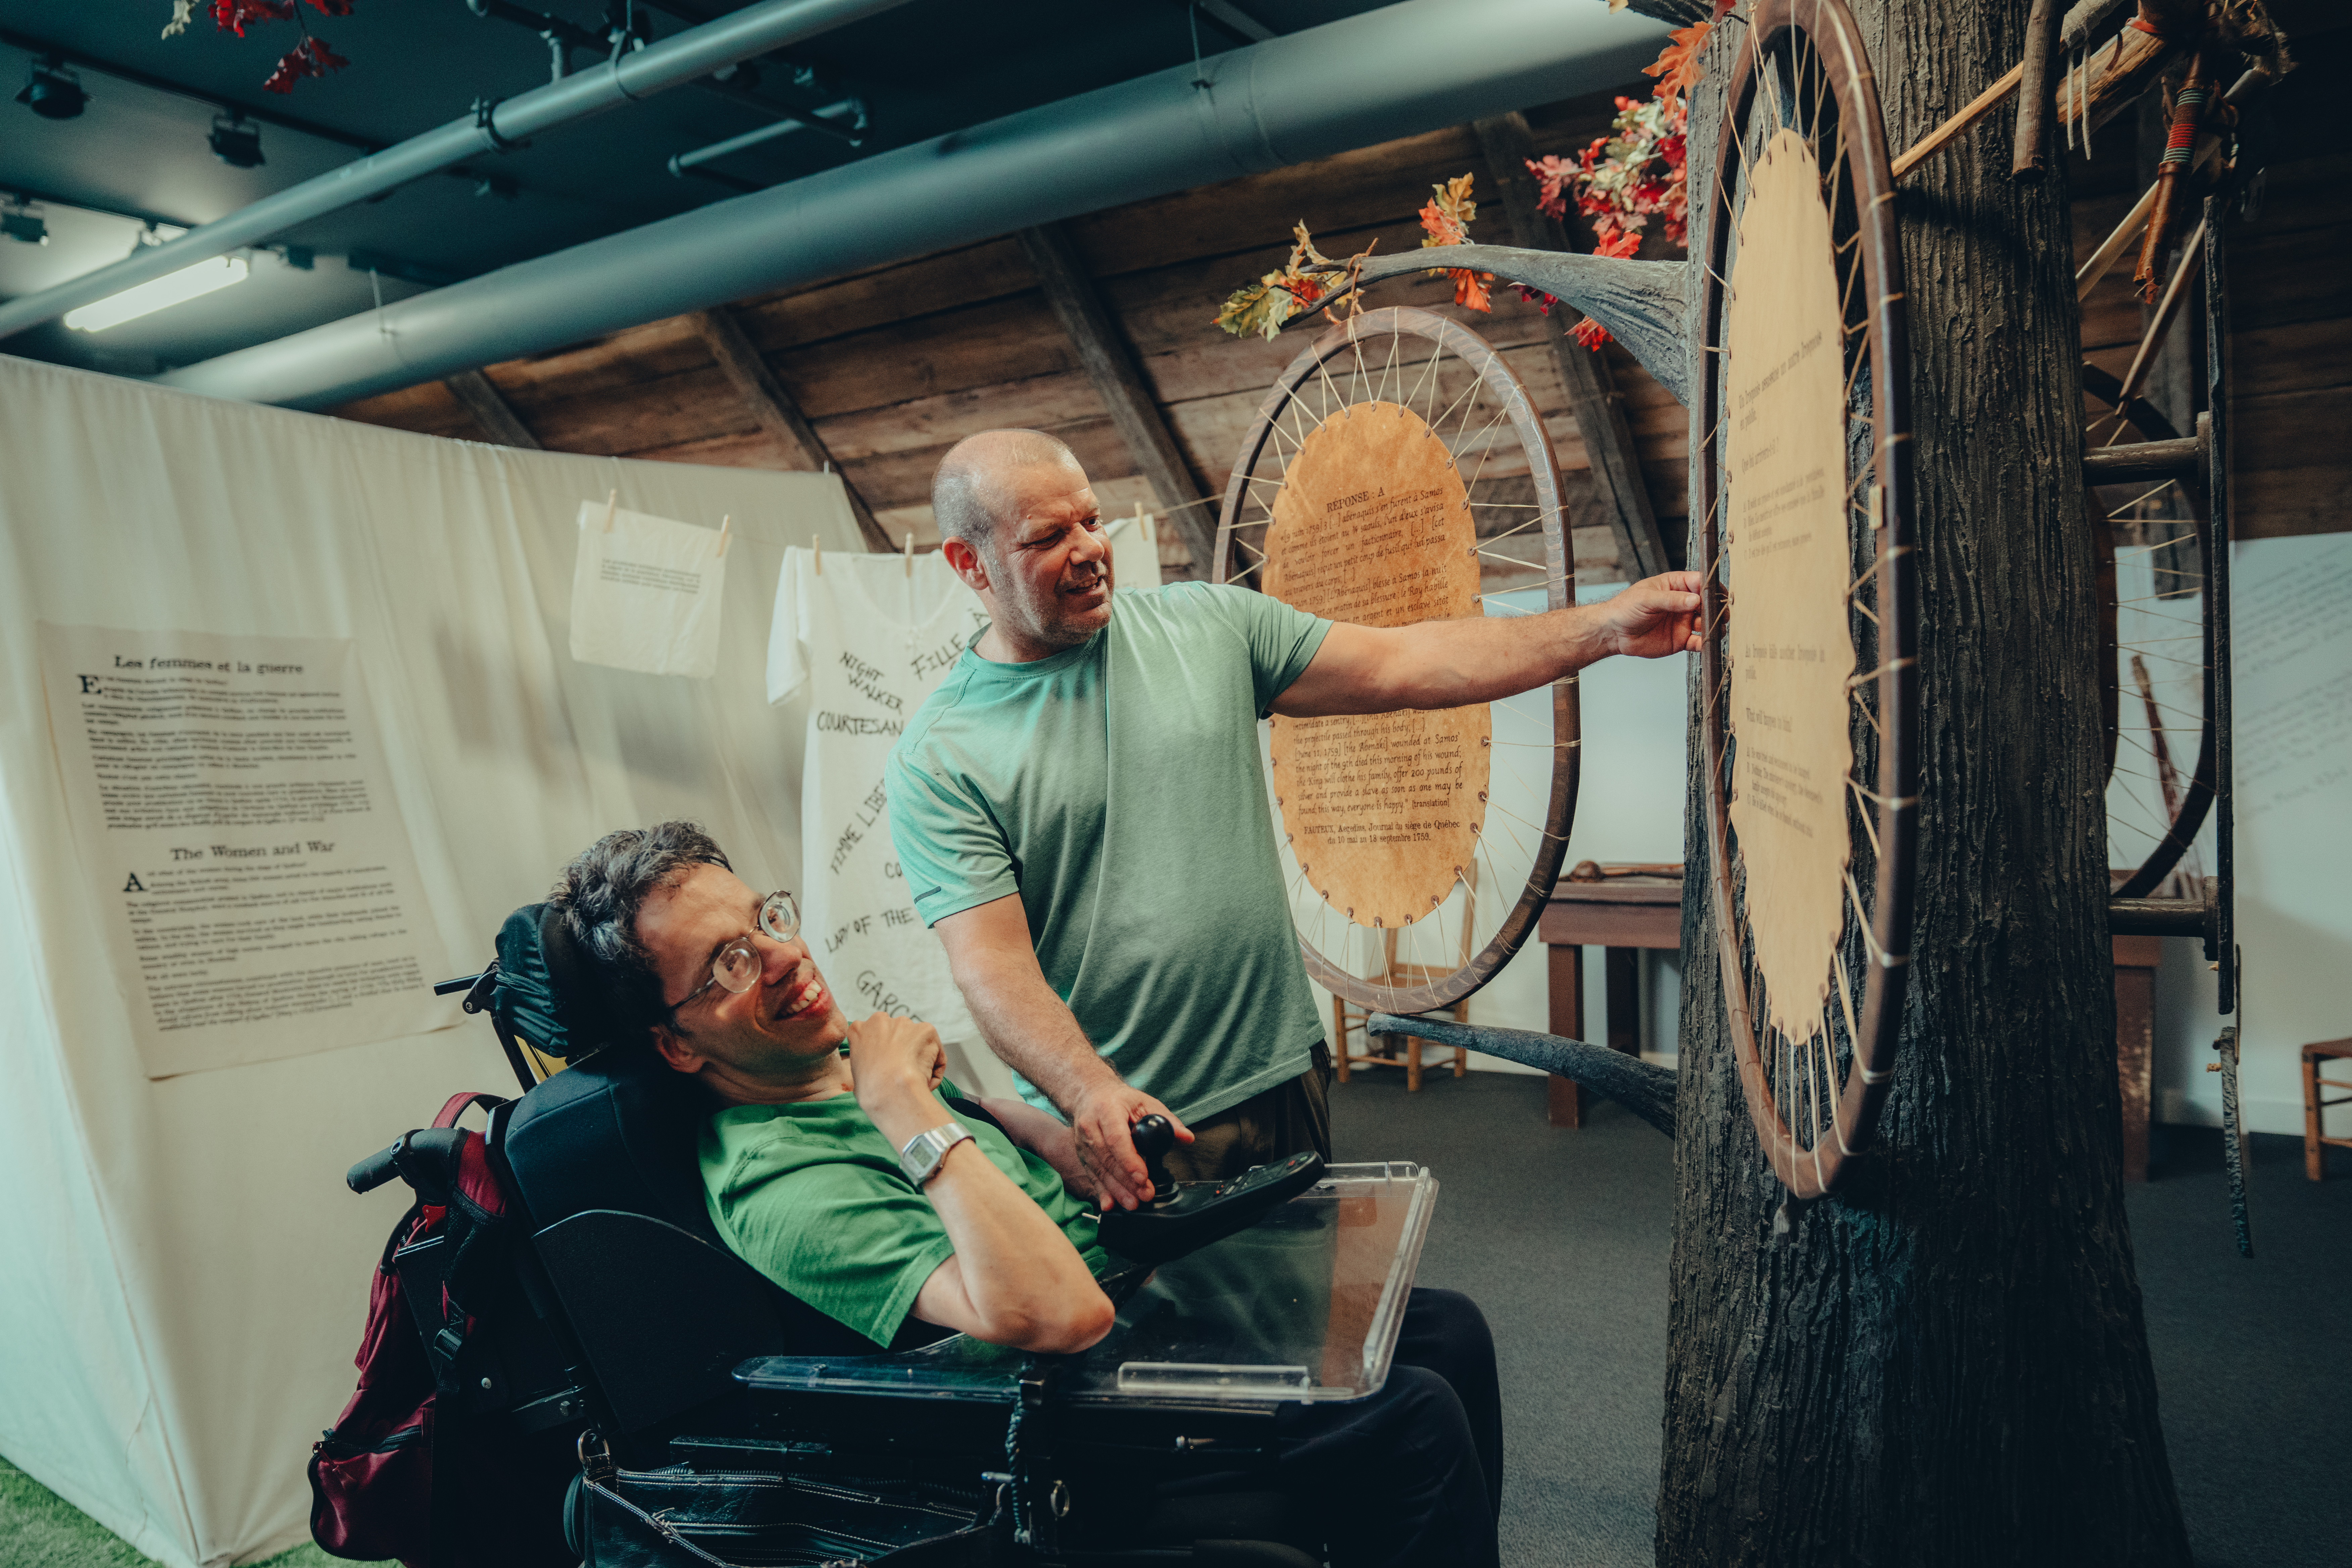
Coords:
pixel 738 964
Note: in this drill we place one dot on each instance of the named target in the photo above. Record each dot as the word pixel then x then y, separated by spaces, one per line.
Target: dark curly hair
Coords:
pixel 598 897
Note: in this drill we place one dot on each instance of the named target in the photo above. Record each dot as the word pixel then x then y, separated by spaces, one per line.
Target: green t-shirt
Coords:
pixel 811 1194
pixel 1117 787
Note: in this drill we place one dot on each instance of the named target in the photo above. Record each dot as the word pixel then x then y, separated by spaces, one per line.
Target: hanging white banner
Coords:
pixel 870 636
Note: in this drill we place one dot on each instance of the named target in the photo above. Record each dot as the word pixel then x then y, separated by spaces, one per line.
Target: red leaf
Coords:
pixel 236 16
pixel 311 57
pixel 1591 333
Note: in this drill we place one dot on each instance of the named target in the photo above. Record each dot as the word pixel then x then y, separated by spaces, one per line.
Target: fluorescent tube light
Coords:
pixel 158 293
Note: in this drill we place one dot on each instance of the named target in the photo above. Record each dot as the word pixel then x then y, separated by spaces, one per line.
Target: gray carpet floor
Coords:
pixel 1562 1239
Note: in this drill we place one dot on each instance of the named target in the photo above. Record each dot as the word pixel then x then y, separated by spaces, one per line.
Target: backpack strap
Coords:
pixel 460 1103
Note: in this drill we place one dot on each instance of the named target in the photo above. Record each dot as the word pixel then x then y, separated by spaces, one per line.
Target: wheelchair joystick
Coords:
pixel 1184 1216
pixel 1154 1136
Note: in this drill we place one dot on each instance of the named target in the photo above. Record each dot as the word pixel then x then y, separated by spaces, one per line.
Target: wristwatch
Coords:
pixel 921 1156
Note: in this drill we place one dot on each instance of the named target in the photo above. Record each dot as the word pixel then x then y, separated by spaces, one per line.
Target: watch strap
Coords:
pixel 925 1151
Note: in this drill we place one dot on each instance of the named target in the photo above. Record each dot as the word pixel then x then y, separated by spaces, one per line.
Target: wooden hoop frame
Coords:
pixel 1812 1170
pixel 1345 341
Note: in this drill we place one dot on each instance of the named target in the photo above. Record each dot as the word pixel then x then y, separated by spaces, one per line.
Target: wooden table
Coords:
pixel 1620 916
pixel 1625 914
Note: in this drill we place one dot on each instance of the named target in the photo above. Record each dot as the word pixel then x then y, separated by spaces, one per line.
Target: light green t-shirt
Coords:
pixel 1116 786
pixel 811 1194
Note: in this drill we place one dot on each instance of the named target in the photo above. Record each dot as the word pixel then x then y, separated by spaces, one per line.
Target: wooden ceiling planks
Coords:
pixel 899 362
pixel 893 365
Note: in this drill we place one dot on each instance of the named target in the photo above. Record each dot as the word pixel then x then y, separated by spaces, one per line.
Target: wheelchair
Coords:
pixel 653 1400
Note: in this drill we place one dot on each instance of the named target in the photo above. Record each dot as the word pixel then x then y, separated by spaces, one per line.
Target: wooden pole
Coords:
pixel 2037 93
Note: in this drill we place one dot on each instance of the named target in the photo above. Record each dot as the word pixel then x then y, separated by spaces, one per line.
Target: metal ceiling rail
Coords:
pixel 1398 71
pixel 673 62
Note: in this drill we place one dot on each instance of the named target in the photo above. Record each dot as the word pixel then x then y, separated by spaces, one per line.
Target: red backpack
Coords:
pixel 381 1480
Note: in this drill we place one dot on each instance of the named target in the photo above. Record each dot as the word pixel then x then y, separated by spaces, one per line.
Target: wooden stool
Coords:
pixel 2314 1141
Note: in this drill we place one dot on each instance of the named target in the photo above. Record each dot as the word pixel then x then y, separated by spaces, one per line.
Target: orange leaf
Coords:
pixel 1677 64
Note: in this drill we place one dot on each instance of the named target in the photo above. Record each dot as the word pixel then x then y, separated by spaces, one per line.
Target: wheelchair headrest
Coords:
pixel 550 992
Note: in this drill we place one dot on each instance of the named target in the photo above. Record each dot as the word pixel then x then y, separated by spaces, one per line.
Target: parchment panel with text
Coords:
pixel 1373 525
pixel 234 823
pixel 1790 555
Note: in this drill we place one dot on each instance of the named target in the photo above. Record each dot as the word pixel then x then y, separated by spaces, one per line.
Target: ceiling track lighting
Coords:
pixel 54 93
pixel 236 140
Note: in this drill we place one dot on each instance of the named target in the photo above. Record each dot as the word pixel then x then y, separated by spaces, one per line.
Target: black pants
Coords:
pixel 1413 1477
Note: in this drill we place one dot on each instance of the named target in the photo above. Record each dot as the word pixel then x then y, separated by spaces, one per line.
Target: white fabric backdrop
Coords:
pixel 185 1274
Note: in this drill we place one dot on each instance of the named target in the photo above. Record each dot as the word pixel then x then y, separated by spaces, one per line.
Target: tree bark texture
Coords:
pixel 1945 1363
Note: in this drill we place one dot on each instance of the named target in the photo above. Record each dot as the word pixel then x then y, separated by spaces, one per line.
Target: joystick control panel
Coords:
pixel 1185 1216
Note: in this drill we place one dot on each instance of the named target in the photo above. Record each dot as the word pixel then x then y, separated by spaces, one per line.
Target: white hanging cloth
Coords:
pixel 1134 551
pixel 869 637
pixel 645 592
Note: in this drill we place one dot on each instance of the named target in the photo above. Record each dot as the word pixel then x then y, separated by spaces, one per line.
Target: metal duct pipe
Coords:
pixel 690 163
pixel 1404 68
pixel 671 63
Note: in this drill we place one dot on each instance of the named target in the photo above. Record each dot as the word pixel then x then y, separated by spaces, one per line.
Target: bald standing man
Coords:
pixel 1080 813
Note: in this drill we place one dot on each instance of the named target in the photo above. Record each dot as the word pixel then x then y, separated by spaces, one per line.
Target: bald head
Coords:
pixel 973 489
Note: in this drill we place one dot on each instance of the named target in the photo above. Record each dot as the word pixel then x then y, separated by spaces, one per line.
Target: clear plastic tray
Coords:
pixel 1304 1305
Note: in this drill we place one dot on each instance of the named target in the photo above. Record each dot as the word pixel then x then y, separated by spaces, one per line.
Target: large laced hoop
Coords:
pixel 1816 1102
pixel 1472 399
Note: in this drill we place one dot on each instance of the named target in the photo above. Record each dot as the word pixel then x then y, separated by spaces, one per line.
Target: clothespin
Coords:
pixel 723 522
pixel 910 552
pixel 816 551
pixel 611 506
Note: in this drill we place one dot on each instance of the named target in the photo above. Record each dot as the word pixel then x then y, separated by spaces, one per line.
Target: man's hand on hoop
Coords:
pixel 1654 618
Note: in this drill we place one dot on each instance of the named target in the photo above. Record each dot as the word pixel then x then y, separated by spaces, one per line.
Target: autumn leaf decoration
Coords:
pixel 1447 221
pixel 310 57
pixel 1297 286
pixel 1676 67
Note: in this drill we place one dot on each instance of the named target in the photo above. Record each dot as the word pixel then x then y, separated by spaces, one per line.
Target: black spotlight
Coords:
pixel 53 93
pixel 236 143
pixel 23 226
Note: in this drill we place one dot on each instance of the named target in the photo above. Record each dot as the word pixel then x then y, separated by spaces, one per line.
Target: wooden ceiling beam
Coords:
pixel 1592 394
pixel 491 411
pixel 773 407
pixel 1118 378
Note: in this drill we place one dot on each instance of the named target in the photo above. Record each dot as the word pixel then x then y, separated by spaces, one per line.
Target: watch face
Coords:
pixel 924 1152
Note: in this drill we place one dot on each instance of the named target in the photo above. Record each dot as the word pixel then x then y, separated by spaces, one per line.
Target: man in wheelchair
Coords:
pixel 836 1159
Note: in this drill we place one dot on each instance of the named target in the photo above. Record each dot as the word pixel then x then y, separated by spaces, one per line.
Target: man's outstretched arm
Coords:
pixel 1023 1022
pixel 1446 664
